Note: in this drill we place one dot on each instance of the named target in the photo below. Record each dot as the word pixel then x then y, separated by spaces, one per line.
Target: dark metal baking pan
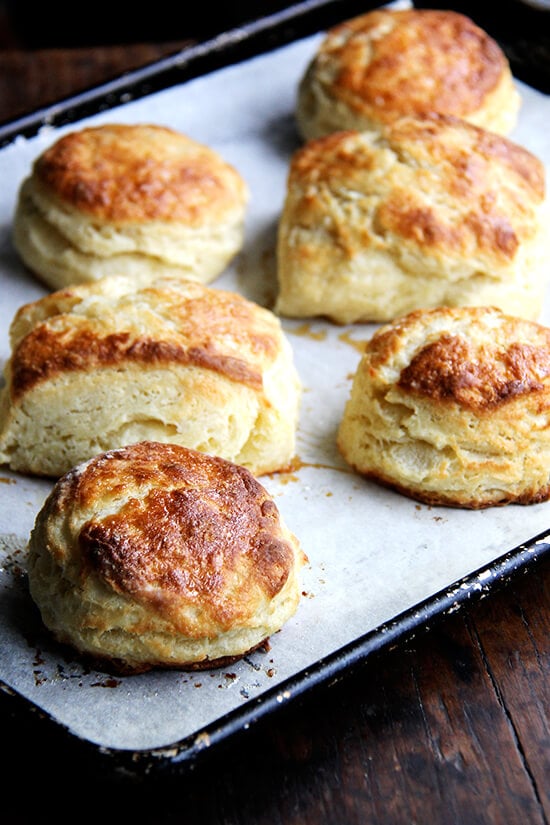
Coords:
pixel 253 38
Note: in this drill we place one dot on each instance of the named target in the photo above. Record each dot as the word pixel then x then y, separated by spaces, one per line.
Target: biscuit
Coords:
pixel 142 200
pixel 102 365
pixel 390 62
pixel 432 211
pixel 451 406
pixel 156 556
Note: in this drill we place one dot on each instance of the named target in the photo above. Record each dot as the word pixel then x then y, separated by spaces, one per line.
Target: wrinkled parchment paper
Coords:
pixel 372 553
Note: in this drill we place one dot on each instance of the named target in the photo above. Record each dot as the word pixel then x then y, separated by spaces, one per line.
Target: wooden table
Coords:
pixel 452 726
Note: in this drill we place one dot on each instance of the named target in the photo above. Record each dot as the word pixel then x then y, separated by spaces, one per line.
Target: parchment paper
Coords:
pixel 372 553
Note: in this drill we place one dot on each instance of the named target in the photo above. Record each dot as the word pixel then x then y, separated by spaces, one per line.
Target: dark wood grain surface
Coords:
pixel 451 726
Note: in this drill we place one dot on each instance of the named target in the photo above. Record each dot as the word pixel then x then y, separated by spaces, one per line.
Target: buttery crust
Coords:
pixel 140 199
pixel 155 555
pixel 101 365
pixel 388 62
pixel 451 406
pixel 431 211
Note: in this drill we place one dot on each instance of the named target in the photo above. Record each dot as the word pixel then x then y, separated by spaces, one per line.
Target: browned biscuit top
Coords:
pixel 132 173
pixel 174 528
pixel 172 322
pixel 437 181
pixel 413 61
pixel 476 357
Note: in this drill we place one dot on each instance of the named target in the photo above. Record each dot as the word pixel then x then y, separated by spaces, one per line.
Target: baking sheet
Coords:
pixel 373 554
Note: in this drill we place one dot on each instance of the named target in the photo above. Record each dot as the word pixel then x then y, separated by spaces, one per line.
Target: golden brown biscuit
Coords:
pixel 142 200
pixel 431 211
pixel 159 556
pixel 101 365
pixel 391 62
pixel 452 407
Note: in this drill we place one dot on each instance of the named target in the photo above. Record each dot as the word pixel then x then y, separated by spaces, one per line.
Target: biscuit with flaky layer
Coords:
pixel 156 556
pixel 451 406
pixel 102 365
pixel 431 211
pixel 140 199
pixel 391 62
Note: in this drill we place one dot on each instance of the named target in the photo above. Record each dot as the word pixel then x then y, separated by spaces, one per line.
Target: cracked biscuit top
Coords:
pixel 388 63
pixel 97 366
pixel 429 211
pixel 451 406
pixel 154 555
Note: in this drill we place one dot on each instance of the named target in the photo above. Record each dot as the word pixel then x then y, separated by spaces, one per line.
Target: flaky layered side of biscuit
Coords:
pixel 156 556
pixel 101 365
pixel 433 211
pixel 140 199
pixel 451 406
pixel 388 62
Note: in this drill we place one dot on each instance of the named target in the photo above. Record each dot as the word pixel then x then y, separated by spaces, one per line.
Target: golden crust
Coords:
pixel 135 199
pixel 452 406
pixel 479 377
pixel 407 62
pixel 154 555
pixel 211 329
pixel 121 173
pixel 98 365
pixel 430 211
